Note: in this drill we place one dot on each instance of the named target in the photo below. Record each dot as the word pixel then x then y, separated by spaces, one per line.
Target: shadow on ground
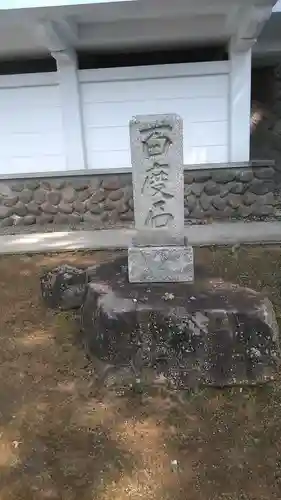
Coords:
pixel 61 439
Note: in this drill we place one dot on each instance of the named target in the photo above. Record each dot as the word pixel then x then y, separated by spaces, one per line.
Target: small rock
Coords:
pixel 33 208
pixel 246 176
pixel 39 195
pixel 5 190
pixel 115 195
pixel 95 183
pixel 17 186
pixel 68 194
pixel 258 209
pixel 74 219
pixel 31 184
pixel 111 182
pixel 49 208
pixel 28 220
pixel 6 222
pixel 197 188
pixel 98 196
pixel 109 205
pixel 238 188
pixel 219 203
pixel 127 216
pixel 64 287
pixel 10 201
pixel 84 195
pixel 80 184
pixel 131 203
pixel 211 188
pixel 94 208
pixel 61 219
pixel 258 186
pixel 44 219
pixel 205 201
pixel 202 175
pixel 53 197
pixel 234 200
pixel 25 195
pixel 58 184
pixel 264 173
pixel 188 178
pixel 190 202
pixel 121 207
pixel 249 198
pixel 66 208
pixel 19 209
pixel 79 207
pixel 223 176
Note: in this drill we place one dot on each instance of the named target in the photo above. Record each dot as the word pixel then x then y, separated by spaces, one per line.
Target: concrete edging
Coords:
pixel 224 233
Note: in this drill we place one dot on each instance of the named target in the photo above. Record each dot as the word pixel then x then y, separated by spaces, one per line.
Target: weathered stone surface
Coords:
pixel 157 238
pixel 68 194
pixel 260 209
pixel 264 173
pixel 65 208
pixel 259 187
pixel 17 187
pixel 197 189
pixel 79 207
pixel 80 184
pixel 246 175
pixel 191 202
pixel 60 218
pixel 6 222
pixel 25 196
pixel 202 175
pixel 39 195
pixel 219 203
pixel 64 287
pixel 10 201
pixel 234 200
pixel 5 190
pixel 223 176
pixel 97 197
pixel 19 209
pixel 238 188
pixel 127 216
pixel 121 207
pixel 210 333
pixel 54 197
pixel 31 184
pixel 94 208
pixel 44 219
pixel 109 204
pixel 116 195
pixel 188 178
pixel 28 220
pixel 249 198
pixel 49 208
pixel 157 150
pixel 84 195
pixel 74 219
pixel 33 208
pixel 211 188
pixel 111 182
pixel 205 201
pixel 160 264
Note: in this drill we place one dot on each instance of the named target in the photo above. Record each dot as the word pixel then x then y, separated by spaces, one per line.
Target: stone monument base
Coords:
pixel 208 332
pixel 152 264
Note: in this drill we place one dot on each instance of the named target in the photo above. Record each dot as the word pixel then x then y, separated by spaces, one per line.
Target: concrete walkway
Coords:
pixel 227 233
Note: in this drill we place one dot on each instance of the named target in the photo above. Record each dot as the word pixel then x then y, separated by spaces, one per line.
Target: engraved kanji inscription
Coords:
pixel 156 140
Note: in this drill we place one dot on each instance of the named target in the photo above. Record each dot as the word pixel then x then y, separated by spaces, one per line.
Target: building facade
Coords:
pixel 72 74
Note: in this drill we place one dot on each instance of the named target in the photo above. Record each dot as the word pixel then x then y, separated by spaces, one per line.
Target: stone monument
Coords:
pixel 145 313
pixel 159 253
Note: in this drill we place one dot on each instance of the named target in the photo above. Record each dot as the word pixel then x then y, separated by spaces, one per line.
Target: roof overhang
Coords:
pixel 27 30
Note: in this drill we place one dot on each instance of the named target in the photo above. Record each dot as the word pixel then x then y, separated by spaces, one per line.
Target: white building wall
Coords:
pixel 30 124
pixel 36 124
pixel 197 92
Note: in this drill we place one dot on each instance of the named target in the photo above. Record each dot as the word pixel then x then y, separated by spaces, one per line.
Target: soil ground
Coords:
pixel 61 439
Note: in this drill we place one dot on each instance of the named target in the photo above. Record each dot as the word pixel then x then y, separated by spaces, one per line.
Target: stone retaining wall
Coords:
pixel 102 201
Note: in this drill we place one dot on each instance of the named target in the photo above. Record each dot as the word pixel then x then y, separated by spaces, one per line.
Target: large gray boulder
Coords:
pixel 210 332
pixel 64 287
